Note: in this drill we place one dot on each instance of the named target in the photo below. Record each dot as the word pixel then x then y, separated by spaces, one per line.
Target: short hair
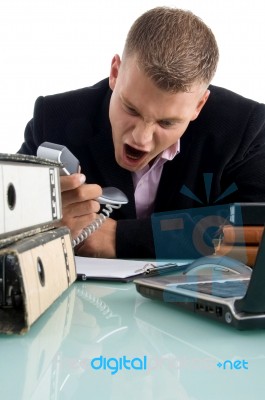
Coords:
pixel 175 48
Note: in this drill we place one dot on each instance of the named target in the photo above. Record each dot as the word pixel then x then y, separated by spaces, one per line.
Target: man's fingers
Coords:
pixel 81 208
pixel 71 182
pixel 81 194
pixel 78 202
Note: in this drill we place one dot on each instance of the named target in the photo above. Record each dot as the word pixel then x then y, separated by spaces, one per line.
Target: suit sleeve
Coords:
pixel 134 239
pixel 248 167
pixel 33 131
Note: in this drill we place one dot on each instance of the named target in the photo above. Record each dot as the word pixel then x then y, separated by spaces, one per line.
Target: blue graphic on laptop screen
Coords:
pixel 189 233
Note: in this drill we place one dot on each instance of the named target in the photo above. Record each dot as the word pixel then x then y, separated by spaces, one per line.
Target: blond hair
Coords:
pixel 174 47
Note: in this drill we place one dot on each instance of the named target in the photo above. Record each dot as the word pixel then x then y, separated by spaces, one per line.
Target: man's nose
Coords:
pixel 143 133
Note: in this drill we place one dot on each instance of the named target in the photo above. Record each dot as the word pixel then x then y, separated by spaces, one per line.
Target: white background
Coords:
pixel 51 46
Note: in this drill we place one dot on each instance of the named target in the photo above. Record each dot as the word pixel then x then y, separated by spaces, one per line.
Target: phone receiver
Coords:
pixel 71 165
pixel 59 153
pixel 111 197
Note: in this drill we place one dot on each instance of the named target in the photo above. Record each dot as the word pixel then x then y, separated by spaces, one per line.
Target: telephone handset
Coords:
pixel 111 197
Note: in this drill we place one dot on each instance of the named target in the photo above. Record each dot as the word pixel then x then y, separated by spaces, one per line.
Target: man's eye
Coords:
pixel 166 124
pixel 131 110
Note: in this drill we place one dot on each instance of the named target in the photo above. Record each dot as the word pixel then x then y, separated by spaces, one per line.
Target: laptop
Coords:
pixel 237 300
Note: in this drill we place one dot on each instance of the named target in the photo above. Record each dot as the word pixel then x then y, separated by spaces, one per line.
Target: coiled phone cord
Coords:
pixel 96 224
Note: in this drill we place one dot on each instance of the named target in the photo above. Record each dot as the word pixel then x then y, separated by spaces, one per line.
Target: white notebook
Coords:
pixel 123 270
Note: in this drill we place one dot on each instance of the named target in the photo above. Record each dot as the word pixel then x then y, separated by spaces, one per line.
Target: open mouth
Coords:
pixel 134 154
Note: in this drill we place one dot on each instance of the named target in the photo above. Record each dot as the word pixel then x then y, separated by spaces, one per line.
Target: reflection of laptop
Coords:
pixel 245 310
pixel 192 357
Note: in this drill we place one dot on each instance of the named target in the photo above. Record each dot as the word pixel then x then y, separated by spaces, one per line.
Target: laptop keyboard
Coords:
pixel 219 289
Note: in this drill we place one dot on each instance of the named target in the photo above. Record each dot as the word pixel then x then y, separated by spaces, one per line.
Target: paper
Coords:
pixel 105 268
pixel 108 268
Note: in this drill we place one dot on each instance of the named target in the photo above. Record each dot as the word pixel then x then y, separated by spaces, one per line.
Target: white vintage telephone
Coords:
pixel 112 197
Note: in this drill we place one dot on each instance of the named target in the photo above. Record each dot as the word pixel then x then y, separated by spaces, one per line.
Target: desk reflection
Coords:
pixel 53 360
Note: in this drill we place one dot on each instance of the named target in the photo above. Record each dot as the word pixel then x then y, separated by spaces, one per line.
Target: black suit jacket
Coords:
pixel 226 141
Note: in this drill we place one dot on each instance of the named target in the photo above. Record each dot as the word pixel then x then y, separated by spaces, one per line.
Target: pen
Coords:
pixel 151 269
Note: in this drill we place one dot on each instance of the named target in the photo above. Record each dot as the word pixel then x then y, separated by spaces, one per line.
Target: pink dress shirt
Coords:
pixel 146 182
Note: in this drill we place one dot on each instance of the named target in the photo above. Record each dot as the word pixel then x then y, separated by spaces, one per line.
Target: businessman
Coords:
pixel 154 126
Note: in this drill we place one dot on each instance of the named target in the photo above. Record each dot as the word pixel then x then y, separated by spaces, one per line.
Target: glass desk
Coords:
pixel 104 341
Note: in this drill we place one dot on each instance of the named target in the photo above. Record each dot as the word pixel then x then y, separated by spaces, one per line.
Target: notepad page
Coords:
pixel 108 268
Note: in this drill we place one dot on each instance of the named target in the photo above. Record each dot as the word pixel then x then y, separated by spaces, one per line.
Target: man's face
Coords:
pixel 146 120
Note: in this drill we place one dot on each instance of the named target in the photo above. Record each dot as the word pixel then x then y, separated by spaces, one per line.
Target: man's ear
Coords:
pixel 114 70
pixel 201 104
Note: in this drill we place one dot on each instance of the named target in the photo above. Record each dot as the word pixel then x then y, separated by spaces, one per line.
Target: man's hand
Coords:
pixel 102 243
pixel 79 206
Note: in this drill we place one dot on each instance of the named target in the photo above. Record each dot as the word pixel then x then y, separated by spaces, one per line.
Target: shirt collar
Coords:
pixel 166 155
pixel 171 151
